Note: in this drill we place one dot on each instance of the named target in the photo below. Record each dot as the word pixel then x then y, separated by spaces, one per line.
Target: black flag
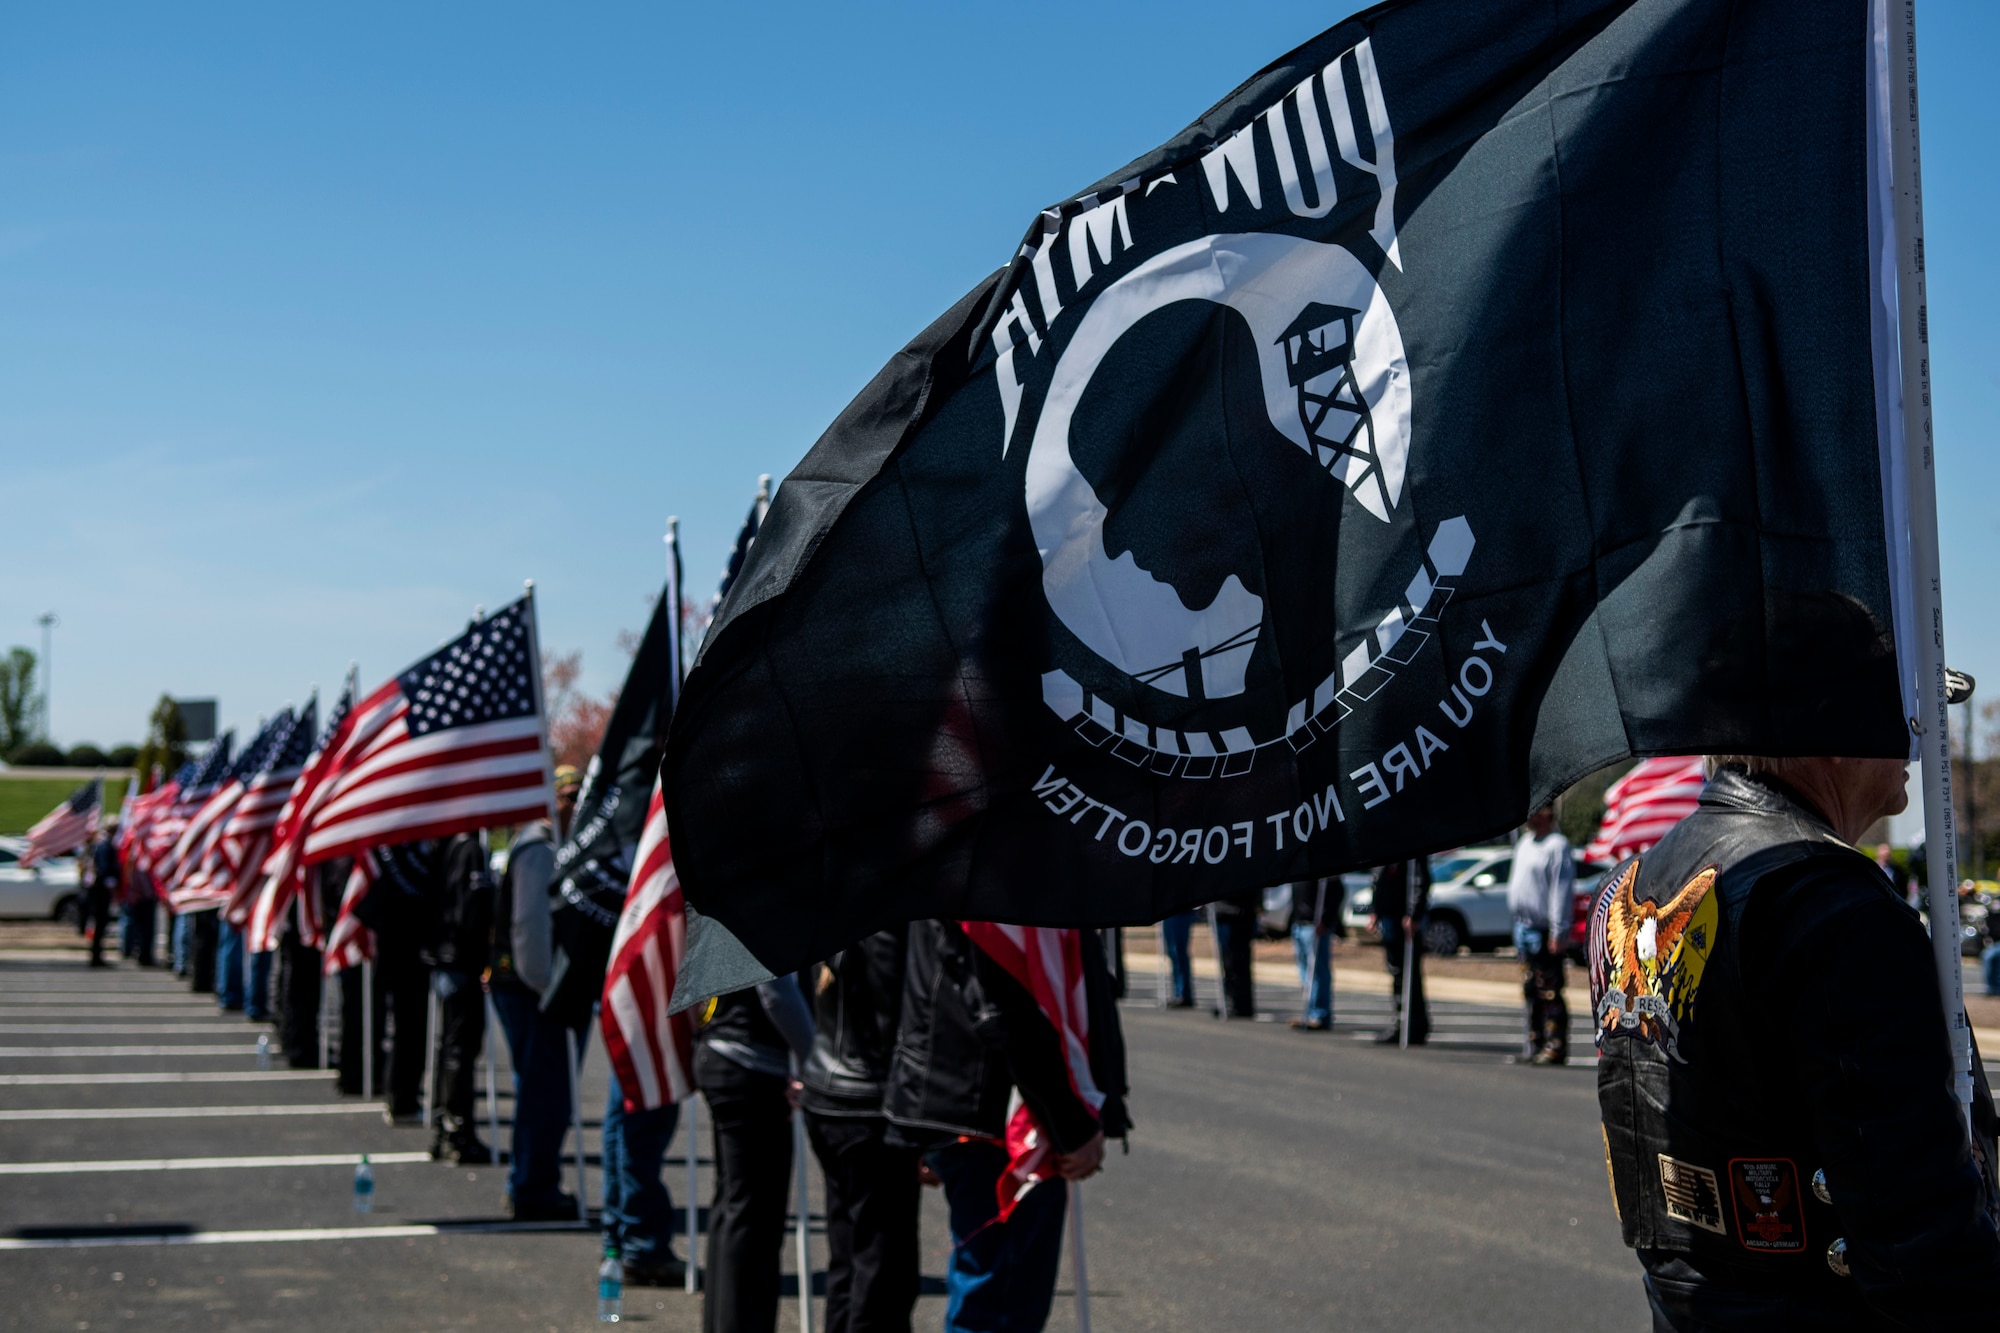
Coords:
pixel 1482 393
pixel 594 862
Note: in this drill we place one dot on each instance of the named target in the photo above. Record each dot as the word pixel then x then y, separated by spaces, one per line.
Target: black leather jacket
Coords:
pixel 969 1032
pixel 1767 1010
pixel 856 1008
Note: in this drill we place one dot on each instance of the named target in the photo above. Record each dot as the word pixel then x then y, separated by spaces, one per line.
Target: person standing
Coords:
pixel 99 871
pixel 458 957
pixel 402 910
pixel 638 1212
pixel 1176 935
pixel 1315 920
pixel 1541 896
pixel 229 960
pixel 750 1043
pixel 872 1190
pixel 537 1043
pixel 138 916
pixel 1402 899
pixel 1235 919
pixel 1775 1073
pixel 970 1036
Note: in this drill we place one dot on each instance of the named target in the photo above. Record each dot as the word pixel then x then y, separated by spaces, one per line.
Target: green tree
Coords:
pixel 20 706
pixel 166 742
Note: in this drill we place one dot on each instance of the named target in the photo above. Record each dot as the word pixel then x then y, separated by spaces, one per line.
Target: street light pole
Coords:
pixel 48 621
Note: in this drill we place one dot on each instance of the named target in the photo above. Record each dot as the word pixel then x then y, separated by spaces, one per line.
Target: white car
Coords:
pixel 45 891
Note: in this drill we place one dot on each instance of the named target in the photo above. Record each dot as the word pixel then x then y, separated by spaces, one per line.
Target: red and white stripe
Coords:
pixel 59 832
pixel 350 943
pixel 1048 963
pixel 189 874
pixel 652 1051
pixel 376 785
pixel 246 842
pixel 1640 807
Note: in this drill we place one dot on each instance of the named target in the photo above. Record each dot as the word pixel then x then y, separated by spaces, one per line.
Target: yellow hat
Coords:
pixel 567 778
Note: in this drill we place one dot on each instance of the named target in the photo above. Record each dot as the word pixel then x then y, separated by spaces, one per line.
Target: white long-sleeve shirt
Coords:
pixel 1541 888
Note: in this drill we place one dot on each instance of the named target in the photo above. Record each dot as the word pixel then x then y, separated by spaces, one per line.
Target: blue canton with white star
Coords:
pixel 484 675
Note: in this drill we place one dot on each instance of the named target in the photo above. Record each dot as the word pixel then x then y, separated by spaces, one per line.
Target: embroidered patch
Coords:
pixel 1647 958
pixel 1765 1192
pixel 1691 1194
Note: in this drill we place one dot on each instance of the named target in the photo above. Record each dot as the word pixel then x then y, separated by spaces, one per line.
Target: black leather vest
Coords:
pixel 1706 1155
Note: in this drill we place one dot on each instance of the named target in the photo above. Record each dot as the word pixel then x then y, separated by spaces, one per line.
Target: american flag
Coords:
pixel 1048 963
pixel 197 878
pixel 245 837
pixel 349 943
pixel 1640 807
pixel 67 827
pixel 277 891
pixel 135 837
pixel 194 785
pixel 454 744
pixel 652 1052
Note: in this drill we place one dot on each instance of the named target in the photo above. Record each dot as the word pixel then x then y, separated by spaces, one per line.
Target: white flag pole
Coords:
pixel 1076 1256
pixel 799 1152
pixel 691 1146
pixel 1165 976
pixel 430 1054
pixel 493 1034
pixel 576 1123
pixel 367 1026
pixel 1930 726
pixel 1409 949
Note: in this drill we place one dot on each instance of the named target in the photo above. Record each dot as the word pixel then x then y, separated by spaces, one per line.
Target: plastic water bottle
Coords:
pixel 611 1288
pixel 364 1186
pixel 264 1050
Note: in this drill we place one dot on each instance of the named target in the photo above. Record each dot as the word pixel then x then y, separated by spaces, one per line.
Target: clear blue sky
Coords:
pixel 316 329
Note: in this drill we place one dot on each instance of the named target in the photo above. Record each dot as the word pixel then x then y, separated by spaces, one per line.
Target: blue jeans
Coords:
pixel 1177 929
pixel 257 1001
pixel 1002 1275
pixel 1314 950
pixel 538 1050
pixel 638 1210
pixel 182 936
pixel 228 966
pixel 1989 965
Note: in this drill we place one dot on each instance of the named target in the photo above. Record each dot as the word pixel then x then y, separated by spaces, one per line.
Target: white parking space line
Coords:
pixel 186 1112
pixel 107 1029
pixel 204 1163
pixel 126 1052
pixel 299 1234
pixel 168 1076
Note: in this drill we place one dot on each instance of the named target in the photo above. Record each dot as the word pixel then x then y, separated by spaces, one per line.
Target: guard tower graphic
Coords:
pixel 1319 364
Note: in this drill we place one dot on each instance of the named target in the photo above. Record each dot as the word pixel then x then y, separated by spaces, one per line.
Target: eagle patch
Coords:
pixel 1646 958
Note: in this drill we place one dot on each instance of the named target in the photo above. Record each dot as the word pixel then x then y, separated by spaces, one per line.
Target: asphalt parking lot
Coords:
pixel 1277 1180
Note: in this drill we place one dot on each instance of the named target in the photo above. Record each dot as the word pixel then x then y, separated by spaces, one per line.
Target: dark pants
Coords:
pixel 1542 987
pixel 872 1201
pixel 96 920
pixel 1392 947
pixel 746 1218
pixel 461 1034
pixel 538 1047
pixel 348 1054
pixel 408 981
pixel 201 952
pixel 138 927
pixel 638 1209
pixel 298 1002
pixel 1002 1277
pixel 1236 934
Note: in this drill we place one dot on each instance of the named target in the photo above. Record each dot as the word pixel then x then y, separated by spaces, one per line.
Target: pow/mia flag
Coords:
pixel 1482 393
